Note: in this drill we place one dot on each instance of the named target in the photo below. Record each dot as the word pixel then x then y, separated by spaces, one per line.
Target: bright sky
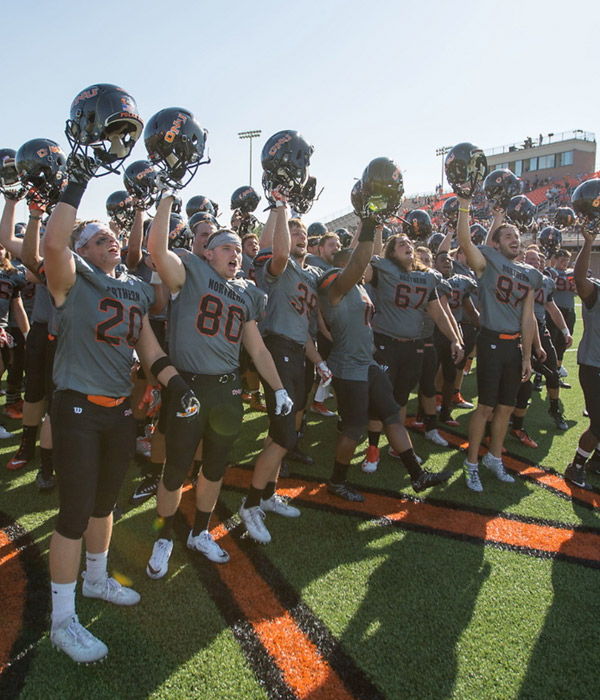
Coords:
pixel 357 79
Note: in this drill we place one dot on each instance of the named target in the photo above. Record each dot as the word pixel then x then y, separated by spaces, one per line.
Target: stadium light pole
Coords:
pixel 442 152
pixel 250 135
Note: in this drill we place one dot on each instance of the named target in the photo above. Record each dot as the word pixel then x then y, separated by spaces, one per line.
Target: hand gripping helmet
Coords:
pixel 521 212
pixel 199 203
pixel 285 159
pixel 466 168
pixel 176 205
pixel 119 207
pixel 478 234
pixel 140 181
pixel 586 202
pixel 500 186
pixel 42 169
pixel 417 225
pixel 549 239
pixel 8 172
pixel 450 211
pixel 345 237
pixel 564 217
pixel 104 119
pixel 434 241
pixel 180 235
pixel 316 229
pixel 382 188
pixel 302 200
pixel 245 199
pixel 175 143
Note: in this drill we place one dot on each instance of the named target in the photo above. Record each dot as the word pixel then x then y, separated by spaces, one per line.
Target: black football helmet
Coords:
pixel 202 217
pixel 466 168
pixel 417 225
pixel 357 199
pixel 500 186
pixel 564 217
pixel 549 239
pixel 382 189
pixel 180 235
pixel 285 159
pixel 521 212
pixel 245 199
pixel 8 172
pixel 316 229
pixel 119 207
pixel 450 211
pixel 140 181
pixel 302 200
pixel 104 126
pixel 586 202
pixel 345 237
pixel 175 143
pixel 434 241
pixel 42 169
pixel 478 234
pixel 199 203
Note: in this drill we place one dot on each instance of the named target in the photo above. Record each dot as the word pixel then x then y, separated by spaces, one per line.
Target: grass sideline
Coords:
pixel 448 595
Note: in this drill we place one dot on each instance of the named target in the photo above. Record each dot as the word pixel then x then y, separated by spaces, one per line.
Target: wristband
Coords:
pixel 465 210
pixel 160 364
pixel 73 194
pixel 155 279
pixel 367 231
pixel 565 331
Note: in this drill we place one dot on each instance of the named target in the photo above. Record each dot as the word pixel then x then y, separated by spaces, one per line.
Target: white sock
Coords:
pixel 470 465
pixel 63 601
pixel 95 569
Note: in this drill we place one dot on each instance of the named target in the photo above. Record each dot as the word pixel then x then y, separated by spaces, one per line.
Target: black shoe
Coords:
pixel 559 420
pixel 296 455
pixel 345 491
pixel 576 475
pixel 117 512
pixel 429 479
pixel 145 489
pixel 563 385
pixel 42 483
pixel 537 382
pixel 284 470
pixel 593 465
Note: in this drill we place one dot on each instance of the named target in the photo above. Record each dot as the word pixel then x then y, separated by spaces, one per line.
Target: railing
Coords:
pixel 542 140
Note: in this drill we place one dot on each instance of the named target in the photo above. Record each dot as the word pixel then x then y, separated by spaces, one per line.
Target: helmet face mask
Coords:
pixel 521 212
pixel 285 160
pixel 478 234
pixel 564 217
pixel 42 169
pixel 500 186
pixel 382 189
pixel 175 143
pixel 103 127
pixel 8 171
pixel 119 207
pixel 450 211
pixel 549 239
pixel 466 168
pixel 586 203
pixel 139 179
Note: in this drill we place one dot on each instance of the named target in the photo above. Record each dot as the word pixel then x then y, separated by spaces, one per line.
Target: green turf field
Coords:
pixel 448 595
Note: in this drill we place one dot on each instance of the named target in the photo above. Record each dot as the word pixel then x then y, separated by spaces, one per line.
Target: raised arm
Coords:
pixel 168 264
pixel 499 217
pixel 134 245
pixel 7 228
pixel 585 288
pixel 356 266
pixel 475 257
pixel 281 241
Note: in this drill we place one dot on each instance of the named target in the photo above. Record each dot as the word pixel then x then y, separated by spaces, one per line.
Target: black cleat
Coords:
pixel 576 475
pixel 296 455
pixel 563 385
pixel 559 420
pixel 145 489
pixel 345 491
pixel 537 382
pixel 593 465
pixel 429 479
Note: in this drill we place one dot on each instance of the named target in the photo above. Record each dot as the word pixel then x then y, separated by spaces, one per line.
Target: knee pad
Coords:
pixel 353 432
pixel 553 380
pixel 214 471
pixel 524 395
pixel 173 477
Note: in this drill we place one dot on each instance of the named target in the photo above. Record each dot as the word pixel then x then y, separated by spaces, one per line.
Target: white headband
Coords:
pixel 89 231
pixel 222 238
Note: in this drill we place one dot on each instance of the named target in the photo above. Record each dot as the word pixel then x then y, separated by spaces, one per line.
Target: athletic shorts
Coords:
pixel 359 401
pixel 443 348
pixel 428 368
pixel 498 369
pixel 403 359
pixel 469 332
pixel 289 360
pixel 39 358
pixel 589 378
pixel 92 447
pixel 549 368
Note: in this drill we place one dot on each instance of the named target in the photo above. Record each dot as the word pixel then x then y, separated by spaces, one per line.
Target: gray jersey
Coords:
pixel 10 285
pixel 401 298
pixel 207 318
pixel 460 269
pixel 316 261
pixel 349 322
pixel 503 286
pixel 463 287
pixel 443 289
pixel 247 272
pixel 27 290
pixel 588 352
pixel 98 327
pixel 292 297
pixel 564 297
pixel 542 297
pixel 43 307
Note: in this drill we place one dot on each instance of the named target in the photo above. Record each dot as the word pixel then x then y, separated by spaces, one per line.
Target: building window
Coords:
pixel 518 168
pixel 502 166
pixel 546 162
pixel 566 158
pixel 533 164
